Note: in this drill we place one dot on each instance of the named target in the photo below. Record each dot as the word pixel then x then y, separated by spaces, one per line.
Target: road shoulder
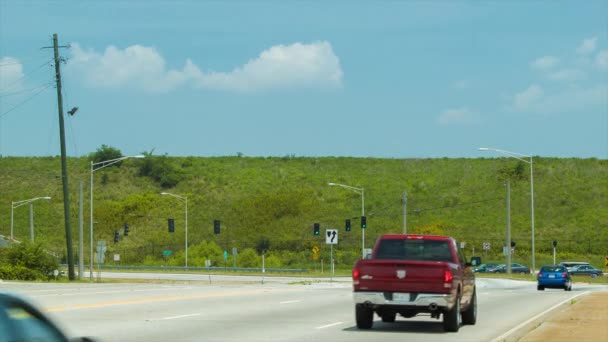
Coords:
pixel 583 318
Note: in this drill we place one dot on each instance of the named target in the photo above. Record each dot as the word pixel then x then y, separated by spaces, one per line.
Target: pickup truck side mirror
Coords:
pixel 475 261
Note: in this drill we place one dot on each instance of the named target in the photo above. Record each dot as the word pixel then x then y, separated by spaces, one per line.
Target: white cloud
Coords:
pixel 566 75
pixel 570 99
pixel 282 66
pixel 602 60
pixel 456 116
pixel 528 97
pixel 545 63
pixel 11 75
pixel 587 46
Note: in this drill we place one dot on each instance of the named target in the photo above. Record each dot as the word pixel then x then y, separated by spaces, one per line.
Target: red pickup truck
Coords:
pixel 415 274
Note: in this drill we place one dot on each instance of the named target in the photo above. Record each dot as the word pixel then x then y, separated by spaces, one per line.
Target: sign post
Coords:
pixel 101 250
pixel 331 238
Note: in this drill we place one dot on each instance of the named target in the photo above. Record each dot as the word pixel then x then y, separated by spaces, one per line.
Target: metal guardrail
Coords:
pixel 208 269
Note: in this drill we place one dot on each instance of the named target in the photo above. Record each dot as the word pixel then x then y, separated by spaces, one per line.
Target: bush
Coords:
pixel 27 261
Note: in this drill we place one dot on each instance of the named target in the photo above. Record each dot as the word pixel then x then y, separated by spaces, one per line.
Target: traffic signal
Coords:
pixel 216 226
pixel 171 224
pixel 554 243
pixel 363 222
pixel 347 225
pixel 316 229
pixel 512 243
pixel 126 229
pixel 116 236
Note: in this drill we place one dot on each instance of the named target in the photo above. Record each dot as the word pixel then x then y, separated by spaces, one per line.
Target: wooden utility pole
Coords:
pixel 64 164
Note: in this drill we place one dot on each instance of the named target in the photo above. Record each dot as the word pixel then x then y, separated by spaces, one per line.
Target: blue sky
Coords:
pixel 386 79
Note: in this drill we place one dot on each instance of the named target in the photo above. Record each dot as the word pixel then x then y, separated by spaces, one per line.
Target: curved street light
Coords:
pixel 362 192
pixel 20 203
pixel 94 167
pixel 521 157
pixel 185 199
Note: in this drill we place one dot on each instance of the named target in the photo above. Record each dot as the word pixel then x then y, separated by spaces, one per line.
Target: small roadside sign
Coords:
pixel 234 251
pixel 486 246
pixel 116 257
pixel 225 255
pixel 331 236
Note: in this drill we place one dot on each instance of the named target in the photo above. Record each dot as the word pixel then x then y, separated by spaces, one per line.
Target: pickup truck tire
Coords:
pixel 364 317
pixel 451 318
pixel 389 317
pixel 469 316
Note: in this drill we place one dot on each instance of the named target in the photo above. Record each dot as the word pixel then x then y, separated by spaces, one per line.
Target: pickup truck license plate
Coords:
pixel 401 297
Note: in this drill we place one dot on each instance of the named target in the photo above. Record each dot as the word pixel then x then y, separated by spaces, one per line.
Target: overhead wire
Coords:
pixel 26 100
pixel 30 73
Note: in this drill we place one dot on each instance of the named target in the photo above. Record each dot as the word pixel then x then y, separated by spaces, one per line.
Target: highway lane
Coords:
pixel 276 311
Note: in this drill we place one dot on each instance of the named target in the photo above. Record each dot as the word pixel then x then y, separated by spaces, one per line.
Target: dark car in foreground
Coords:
pixel 515 268
pixel 586 270
pixel 555 277
pixel 21 321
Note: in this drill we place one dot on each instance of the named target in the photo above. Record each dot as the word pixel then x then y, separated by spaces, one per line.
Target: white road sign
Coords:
pixel 331 236
pixel 486 246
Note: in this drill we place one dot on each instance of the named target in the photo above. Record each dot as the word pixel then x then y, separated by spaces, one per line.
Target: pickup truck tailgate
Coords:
pixel 402 276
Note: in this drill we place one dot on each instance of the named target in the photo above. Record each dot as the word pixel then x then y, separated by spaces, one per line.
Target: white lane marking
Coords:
pixel 505 335
pixel 290 302
pixel 329 325
pixel 178 317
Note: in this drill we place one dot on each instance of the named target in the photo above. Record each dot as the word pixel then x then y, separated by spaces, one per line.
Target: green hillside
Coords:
pixel 272 203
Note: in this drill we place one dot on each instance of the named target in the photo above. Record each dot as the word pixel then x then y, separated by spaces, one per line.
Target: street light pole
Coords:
pixel 18 204
pixel 521 157
pixel 94 167
pixel 404 202
pixel 185 199
pixel 362 192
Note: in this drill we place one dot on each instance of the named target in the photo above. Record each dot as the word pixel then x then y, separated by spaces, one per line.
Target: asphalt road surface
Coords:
pixel 284 310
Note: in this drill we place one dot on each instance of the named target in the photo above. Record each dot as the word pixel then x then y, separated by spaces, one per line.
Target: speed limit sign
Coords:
pixel 486 246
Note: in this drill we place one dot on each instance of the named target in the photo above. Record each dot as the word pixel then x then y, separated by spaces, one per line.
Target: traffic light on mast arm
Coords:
pixel 316 229
pixel 363 222
pixel 171 225
pixel 216 226
pixel 116 236
pixel 347 225
pixel 126 230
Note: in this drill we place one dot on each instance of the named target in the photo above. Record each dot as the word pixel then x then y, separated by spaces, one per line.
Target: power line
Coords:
pixel 26 100
pixel 10 85
pixel 24 90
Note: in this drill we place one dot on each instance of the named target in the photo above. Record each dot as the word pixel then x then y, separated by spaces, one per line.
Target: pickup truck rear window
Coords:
pixel 418 250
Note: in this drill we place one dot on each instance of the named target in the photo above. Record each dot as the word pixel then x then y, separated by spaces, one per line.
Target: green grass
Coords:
pixel 278 199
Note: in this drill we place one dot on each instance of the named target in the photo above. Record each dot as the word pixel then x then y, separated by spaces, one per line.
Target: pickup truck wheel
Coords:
pixel 389 317
pixel 470 315
pixel 451 318
pixel 364 317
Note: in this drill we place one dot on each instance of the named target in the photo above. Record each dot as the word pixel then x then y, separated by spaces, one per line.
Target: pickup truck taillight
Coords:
pixel 447 278
pixel 356 274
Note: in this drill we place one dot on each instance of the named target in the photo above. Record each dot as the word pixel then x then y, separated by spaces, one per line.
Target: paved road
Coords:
pixel 275 311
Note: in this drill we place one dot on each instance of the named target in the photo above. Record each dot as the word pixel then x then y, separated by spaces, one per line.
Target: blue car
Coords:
pixel 555 277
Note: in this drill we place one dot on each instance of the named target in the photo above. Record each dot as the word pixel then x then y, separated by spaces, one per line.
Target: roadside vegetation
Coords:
pixel 269 205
